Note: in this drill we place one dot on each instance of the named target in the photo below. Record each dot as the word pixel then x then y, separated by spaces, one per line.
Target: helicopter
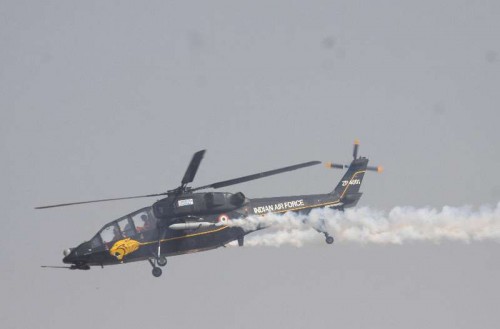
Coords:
pixel 187 221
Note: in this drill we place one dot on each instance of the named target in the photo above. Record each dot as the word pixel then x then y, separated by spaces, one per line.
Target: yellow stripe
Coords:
pixel 186 236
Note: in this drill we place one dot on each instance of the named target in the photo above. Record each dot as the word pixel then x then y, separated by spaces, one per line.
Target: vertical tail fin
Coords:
pixel 347 189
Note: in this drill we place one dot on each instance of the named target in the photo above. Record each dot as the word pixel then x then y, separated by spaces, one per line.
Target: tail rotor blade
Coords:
pixel 378 169
pixel 355 149
pixel 336 165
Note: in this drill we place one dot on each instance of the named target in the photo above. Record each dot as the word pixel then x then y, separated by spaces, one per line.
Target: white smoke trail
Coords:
pixel 366 225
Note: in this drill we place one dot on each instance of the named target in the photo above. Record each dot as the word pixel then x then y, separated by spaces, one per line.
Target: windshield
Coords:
pixel 127 226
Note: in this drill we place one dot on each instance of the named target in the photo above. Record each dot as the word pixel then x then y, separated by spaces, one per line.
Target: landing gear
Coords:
pixel 156 272
pixel 321 228
pixel 158 259
pixel 161 261
pixel 328 238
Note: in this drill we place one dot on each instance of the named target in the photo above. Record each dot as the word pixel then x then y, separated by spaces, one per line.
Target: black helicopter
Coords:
pixel 188 221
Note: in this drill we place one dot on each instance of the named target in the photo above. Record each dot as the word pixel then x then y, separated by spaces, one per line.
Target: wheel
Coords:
pixel 156 271
pixel 329 239
pixel 162 261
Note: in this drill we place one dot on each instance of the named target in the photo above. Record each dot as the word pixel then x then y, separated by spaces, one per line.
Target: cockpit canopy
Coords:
pixel 128 226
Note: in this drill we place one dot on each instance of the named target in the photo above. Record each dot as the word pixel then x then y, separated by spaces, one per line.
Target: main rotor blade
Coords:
pixel 257 176
pixel 101 200
pixel 49 266
pixel 193 167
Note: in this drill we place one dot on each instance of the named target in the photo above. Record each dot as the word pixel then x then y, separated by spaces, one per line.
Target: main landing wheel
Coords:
pixel 156 272
pixel 162 261
pixel 329 239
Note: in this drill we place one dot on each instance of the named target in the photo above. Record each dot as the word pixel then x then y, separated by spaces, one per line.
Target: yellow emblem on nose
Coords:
pixel 124 247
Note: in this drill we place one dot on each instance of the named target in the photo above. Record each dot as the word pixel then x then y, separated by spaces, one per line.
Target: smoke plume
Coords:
pixel 366 225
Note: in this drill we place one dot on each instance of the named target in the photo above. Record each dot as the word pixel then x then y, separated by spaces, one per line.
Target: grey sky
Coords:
pixel 111 99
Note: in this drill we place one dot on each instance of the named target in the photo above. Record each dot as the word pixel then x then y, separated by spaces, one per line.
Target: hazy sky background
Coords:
pixel 108 99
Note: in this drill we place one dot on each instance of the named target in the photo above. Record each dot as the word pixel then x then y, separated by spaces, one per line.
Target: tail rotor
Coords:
pixel 347 189
pixel 355 150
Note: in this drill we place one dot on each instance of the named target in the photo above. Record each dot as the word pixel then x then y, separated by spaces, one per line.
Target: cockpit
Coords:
pixel 128 226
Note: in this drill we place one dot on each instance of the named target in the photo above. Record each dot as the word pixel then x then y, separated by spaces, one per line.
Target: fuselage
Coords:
pixel 191 222
pixel 136 236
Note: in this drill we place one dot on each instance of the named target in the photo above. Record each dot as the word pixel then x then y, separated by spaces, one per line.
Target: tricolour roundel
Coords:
pixel 223 219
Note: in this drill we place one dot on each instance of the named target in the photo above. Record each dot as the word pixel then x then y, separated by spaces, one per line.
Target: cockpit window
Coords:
pixel 126 227
pixel 110 233
pixel 144 221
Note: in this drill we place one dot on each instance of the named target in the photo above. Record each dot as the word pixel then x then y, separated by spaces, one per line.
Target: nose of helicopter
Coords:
pixel 77 262
pixel 70 256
